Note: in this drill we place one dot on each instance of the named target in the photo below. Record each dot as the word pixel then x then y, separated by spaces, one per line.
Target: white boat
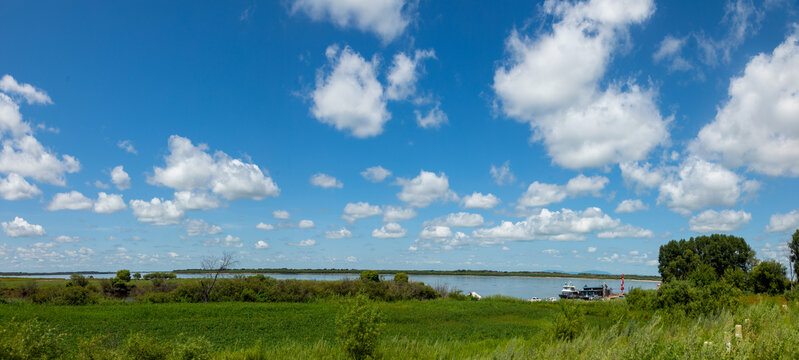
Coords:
pixel 569 291
pixel 535 299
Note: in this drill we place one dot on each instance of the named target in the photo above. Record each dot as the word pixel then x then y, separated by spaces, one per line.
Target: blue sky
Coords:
pixel 524 135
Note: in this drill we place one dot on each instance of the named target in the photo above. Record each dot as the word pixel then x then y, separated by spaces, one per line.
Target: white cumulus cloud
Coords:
pixel 120 178
pixel 14 187
pixel 425 189
pixel 479 201
pixel 27 91
pixel 350 97
pixel 306 224
pixel 717 221
pixel 72 200
pixel 109 203
pixel 21 228
pixel 189 167
pixel 385 18
pixel 502 174
pixel 199 227
pixel 389 231
pixel 630 206
pixel 360 210
pixel 699 184
pixel 342 233
pixel 398 213
pixel 404 73
pixel 784 222
pixel 157 211
pixel 460 219
pixel 375 174
pixel 757 125
pixel 541 194
pixel 325 181
pixel 281 214
pixel 304 243
pixel 260 245
pixel 262 226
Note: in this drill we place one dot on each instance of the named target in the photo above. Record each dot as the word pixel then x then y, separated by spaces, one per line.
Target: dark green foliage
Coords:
pixel 401 277
pixel 160 275
pixel 370 275
pixel 736 277
pixel 685 297
pixel 123 275
pixel 768 277
pixel 78 280
pixel 792 295
pixel 66 295
pixel 196 348
pixel 137 276
pixel 31 339
pixel 793 257
pixel 569 322
pixel 359 326
pixel 118 286
pixel 679 259
pixel 28 289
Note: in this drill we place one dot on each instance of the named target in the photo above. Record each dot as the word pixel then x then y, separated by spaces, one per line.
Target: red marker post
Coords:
pixel 622 283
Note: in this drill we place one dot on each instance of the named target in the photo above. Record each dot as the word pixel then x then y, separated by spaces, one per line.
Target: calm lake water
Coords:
pixel 516 286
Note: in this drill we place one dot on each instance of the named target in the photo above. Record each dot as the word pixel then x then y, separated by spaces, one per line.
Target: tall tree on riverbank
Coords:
pixel 793 257
pixel 679 259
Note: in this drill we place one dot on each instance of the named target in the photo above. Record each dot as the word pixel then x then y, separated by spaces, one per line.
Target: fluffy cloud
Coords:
pixel 432 120
pixel 157 211
pixel 552 83
pixel 109 203
pixel 199 227
pixel 714 221
pixel 669 51
pixel 196 200
pixel 783 222
pixel 350 97
pixel 72 200
pixel 262 226
pixel 631 206
pixel 591 249
pixel 120 178
pixel 21 228
pixel 540 194
pixel 757 126
pixel 641 175
pixel 360 210
pixel 632 257
pixel 560 225
pixel 479 201
pixel 404 73
pixel 14 187
pixel 385 18
pixel 31 94
pixel 700 184
pixel 281 214
pixel 461 219
pixel 325 181
pixel 375 174
pixel 306 224
pixel 435 232
pixel 389 231
pixel 426 188
pixel 397 213
pixel 260 245
pixel 227 241
pixel 442 236
pixel 27 157
pixel 342 233
pixel 190 167
pixel 502 174
pixel 304 243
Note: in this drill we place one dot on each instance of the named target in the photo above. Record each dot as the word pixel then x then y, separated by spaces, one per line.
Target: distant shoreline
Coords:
pixel 356 272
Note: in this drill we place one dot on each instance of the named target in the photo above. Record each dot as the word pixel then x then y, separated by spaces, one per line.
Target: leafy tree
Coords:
pixel 679 259
pixel 401 278
pixel 768 277
pixel 123 275
pixel 370 275
pixel 793 257
pixel 137 276
pixel 735 277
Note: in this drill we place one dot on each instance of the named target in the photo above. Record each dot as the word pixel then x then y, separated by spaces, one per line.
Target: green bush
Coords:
pixel 359 326
pixel 370 275
pixel 197 348
pixel 78 280
pixel 401 278
pixel 31 339
pixel 768 277
pixel 142 347
pixel 66 295
pixel 569 322
pixel 96 348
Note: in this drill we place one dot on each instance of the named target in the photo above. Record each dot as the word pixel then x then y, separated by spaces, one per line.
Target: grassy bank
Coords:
pixel 437 329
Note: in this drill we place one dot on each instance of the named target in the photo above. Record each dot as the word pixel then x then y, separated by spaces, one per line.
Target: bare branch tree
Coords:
pixel 213 267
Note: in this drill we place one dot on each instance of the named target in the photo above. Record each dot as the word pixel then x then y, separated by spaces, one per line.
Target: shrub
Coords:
pixel 78 280
pixel 96 348
pixel 197 348
pixel 569 322
pixel 370 275
pixel 768 277
pixel 401 278
pixel 359 327
pixel 31 339
pixel 28 289
pixel 142 347
pixel 792 295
